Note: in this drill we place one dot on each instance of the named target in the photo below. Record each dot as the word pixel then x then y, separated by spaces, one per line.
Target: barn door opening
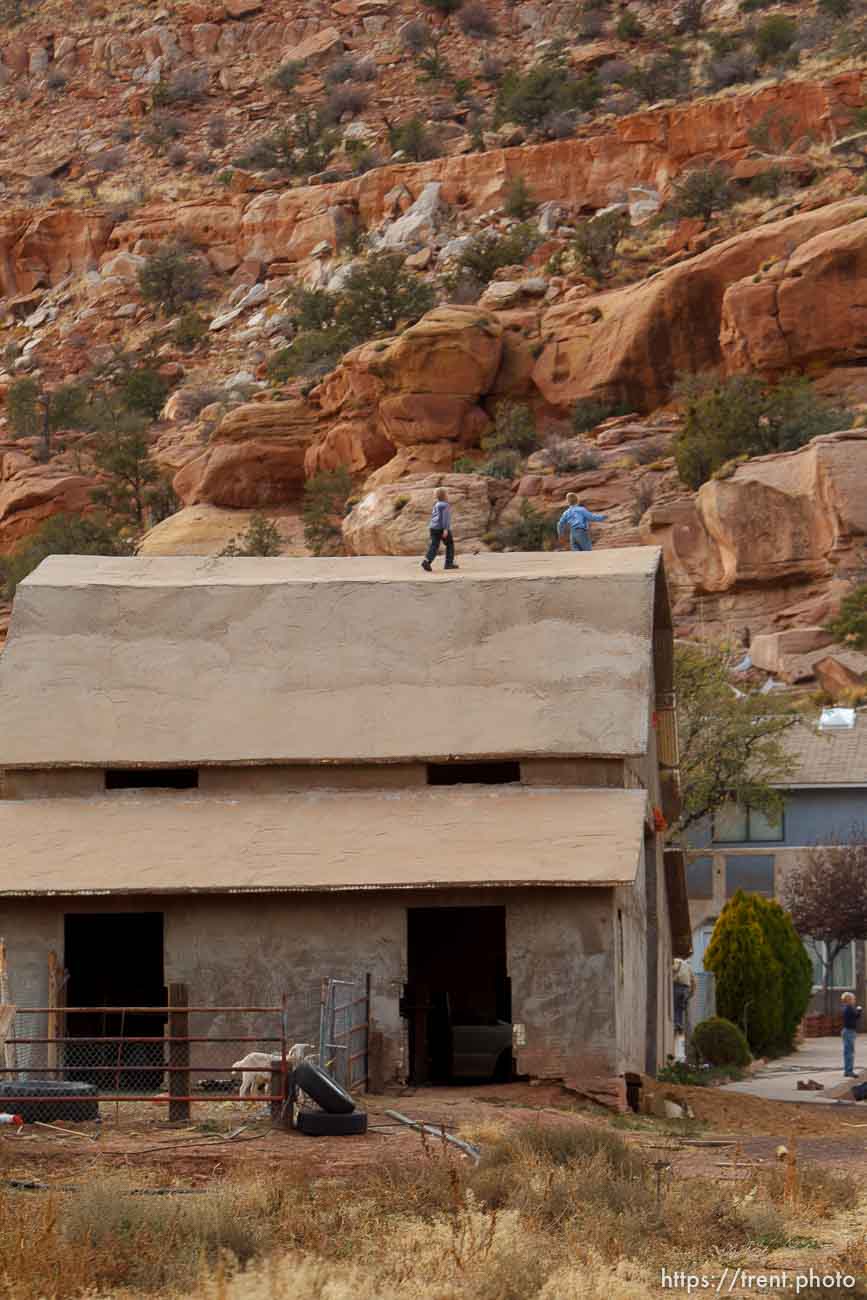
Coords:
pixel 115 960
pixel 458 998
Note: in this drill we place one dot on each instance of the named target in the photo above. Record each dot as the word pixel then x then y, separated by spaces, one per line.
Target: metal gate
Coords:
pixel 344 1026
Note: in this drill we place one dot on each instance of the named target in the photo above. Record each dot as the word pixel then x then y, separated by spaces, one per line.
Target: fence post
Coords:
pixel 179 1053
pixel 51 1032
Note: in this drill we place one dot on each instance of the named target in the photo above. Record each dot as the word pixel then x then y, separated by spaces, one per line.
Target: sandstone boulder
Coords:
pixel 255 458
pixel 30 494
pixel 316 49
pixel 393 519
pixel 809 309
pixel 794 517
pixel 355 444
pixel 452 350
pixel 841 672
pixel 770 650
pixel 207 530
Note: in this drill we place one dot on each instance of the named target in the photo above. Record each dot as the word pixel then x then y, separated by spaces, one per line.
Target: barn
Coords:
pixel 246 775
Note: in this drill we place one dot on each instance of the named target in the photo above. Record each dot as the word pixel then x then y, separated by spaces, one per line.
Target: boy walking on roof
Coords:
pixel 440 531
pixel 577 519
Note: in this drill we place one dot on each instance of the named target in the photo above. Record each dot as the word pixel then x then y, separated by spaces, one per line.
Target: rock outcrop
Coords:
pixel 255 458
pixel 31 493
pixel 631 343
pixel 808 308
pixel 394 519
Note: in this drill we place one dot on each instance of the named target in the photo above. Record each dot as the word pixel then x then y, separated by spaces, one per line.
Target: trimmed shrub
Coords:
pixel 719 1042
pixel 748 975
pixel 796 970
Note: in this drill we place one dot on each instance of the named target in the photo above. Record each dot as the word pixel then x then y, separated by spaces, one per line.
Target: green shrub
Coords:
pixel 719 1042
pixel 796 970
pixel 774 36
pixel 596 243
pixel 748 975
pixel 850 625
pixel 261 538
pixel 170 279
pixel 414 139
pixel 665 77
pixel 311 354
pixel 503 464
pixel 189 330
pixel 548 88
pixel 742 416
pixel 702 192
pixel 379 294
pixel 143 389
pixel 325 498
pixel 488 252
pixel 534 531
pixel 629 27
pixel 836 8
pixel 287 76
pixel 589 412
pixel 516 199
pixel 514 429
pixel 61 535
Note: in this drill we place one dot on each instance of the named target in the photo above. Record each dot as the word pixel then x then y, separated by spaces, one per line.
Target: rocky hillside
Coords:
pixel 383 246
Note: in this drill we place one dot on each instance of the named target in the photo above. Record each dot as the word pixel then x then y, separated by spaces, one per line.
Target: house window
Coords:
pixel 843 972
pixel 752 872
pixel 152 778
pixel 735 824
pixel 699 878
pixel 473 773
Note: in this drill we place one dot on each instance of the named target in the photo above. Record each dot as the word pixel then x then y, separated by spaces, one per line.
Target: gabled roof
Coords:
pixel 185 660
pixel 831 758
pixel 409 839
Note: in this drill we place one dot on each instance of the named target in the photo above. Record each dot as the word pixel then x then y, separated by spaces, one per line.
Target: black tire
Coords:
pixel 324 1090
pixel 34 1099
pixel 316 1123
pixel 505 1068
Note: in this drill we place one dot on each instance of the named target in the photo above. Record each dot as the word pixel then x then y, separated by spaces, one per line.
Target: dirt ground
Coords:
pixel 227 1139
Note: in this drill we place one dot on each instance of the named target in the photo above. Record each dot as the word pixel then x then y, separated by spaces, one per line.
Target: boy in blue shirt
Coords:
pixel 851 1012
pixel 440 532
pixel 577 519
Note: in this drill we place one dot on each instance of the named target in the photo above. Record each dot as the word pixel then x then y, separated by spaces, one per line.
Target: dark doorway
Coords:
pixel 458 998
pixel 506 773
pixel 115 959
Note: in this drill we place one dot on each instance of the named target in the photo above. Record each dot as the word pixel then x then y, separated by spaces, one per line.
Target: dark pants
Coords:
pixel 681 1002
pixel 436 537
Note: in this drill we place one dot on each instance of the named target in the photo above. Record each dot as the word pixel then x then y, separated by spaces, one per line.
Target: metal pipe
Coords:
pixel 472 1151
pixel 163 1038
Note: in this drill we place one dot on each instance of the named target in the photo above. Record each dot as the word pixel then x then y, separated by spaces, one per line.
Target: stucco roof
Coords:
pixel 187 660
pixel 828 757
pixel 324 841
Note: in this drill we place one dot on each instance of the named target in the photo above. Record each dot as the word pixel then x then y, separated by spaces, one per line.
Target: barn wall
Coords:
pixel 242 949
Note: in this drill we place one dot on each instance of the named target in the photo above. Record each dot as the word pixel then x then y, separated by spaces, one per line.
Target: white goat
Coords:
pixel 255 1068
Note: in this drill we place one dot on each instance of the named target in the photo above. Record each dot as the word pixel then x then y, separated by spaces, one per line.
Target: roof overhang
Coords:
pixel 678 902
pixel 322 841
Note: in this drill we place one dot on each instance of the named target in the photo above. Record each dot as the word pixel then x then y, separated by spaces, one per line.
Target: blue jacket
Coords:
pixel 441 516
pixel 577 517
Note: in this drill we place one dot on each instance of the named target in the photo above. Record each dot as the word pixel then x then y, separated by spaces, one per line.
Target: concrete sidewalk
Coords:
pixel 818 1058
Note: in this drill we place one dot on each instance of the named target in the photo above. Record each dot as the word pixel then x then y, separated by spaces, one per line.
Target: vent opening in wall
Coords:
pixel 152 778
pixel 473 773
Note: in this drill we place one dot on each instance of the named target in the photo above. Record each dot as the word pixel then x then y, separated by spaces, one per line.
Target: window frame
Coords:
pixel 748 839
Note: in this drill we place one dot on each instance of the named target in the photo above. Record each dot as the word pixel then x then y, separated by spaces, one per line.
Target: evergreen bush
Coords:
pixel 719 1042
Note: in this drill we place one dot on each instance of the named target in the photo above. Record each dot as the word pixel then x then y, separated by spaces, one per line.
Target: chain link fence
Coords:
pixel 62 1062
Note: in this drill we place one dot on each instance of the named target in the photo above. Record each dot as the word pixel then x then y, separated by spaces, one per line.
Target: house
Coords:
pixel 247 774
pixel 824 799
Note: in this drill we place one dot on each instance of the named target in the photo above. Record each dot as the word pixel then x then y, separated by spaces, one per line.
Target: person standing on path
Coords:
pixel 577 519
pixel 850 1025
pixel 684 987
pixel 440 531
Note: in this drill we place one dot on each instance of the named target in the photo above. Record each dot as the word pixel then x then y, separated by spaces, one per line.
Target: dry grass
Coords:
pixel 553 1210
